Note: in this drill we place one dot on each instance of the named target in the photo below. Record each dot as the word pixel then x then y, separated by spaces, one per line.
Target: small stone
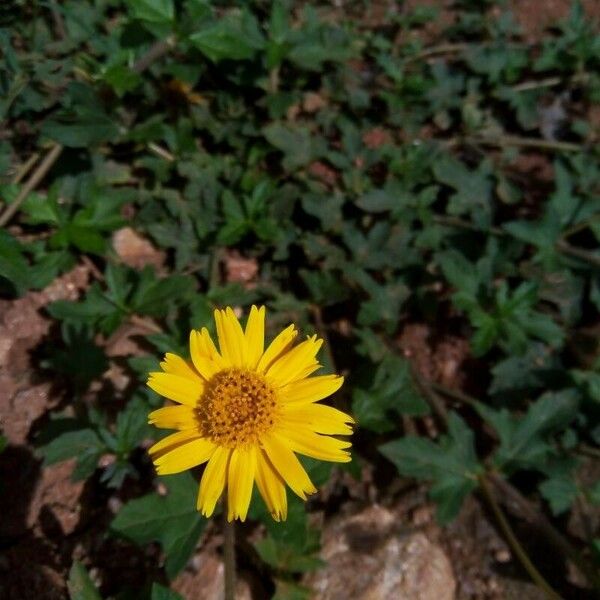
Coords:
pixel 135 250
pixel 240 269
pixel 376 137
pixel 313 102
pixel 368 558
pixel 502 555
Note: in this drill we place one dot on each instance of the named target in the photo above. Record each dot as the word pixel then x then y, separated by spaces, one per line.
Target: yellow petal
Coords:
pixel 173 417
pixel 240 479
pixel 310 390
pixel 177 366
pixel 174 387
pixel 318 417
pixel 287 465
pixel 232 342
pixel 255 335
pixel 271 487
pixel 172 441
pixel 204 354
pixel 291 364
pixel 308 370
pixel 280 344
pixel 213 480
pixel 307 442
pixel 184 457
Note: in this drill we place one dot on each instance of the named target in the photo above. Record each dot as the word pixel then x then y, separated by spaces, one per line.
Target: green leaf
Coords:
pixel 392 393
pixel 293 140
pixel 40 209
pixel 377 201
pixel 81 130
pixel 451 465
pixel 461 273
pixel 152 298
pixel 80 585
pixel 131 426
pixel 384 306
pixel 236 36
pixel 122 79
pixel 172 520
pixel 290 545
pixel 14 267
pixel 560 493
pixel 589 381
pixel 71 444
pixel 96 307
pixel 520 375
pixel 325 287
pixel 327 209
pixel 289 590
pixel 473 189
pixel 159 592
pixel 153 11
pixel 594 493
pixel 524 442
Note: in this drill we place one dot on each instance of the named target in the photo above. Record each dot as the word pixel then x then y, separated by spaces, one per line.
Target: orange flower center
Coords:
pixel 236 408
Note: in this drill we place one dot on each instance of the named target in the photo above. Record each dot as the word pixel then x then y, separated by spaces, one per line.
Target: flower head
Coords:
pixel 246 412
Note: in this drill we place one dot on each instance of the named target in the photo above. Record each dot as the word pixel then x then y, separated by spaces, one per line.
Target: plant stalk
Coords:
pixel 25 168
pixel 513 542
pixel 31 184
pixel 513 499
pixel 229 556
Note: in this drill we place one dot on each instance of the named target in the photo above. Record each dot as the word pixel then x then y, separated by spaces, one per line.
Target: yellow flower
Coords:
pixel 246 411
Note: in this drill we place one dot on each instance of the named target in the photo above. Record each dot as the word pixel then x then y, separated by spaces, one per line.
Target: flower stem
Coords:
pixel 513 542
pixel 229 556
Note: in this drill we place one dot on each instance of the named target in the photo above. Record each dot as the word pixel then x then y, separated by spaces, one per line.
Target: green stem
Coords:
pixel 156 51
pixel 454 394
pixel 229 556
pixel 31 184
pixel 513 542
pixel 524 142
pixel 573 252
pixel 25 168
pixel 561 245
pixel 524 509
pixel 550 82
pixel 428 390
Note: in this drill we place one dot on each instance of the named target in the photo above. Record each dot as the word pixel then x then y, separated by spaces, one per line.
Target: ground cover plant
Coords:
pixel 416 183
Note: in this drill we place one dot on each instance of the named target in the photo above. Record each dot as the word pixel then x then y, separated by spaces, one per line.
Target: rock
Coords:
pixel 376 137
pixel 368 558
pixel 313 102
pixel 55 501
pixel 239 269
pixel 22 327
pixel 19 408
pixel 323 172
pixel 136 251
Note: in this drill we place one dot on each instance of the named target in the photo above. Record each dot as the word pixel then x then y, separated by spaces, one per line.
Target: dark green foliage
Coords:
pixel 392 393
pixel 80 585
pixel 171 520
pixel 451 465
